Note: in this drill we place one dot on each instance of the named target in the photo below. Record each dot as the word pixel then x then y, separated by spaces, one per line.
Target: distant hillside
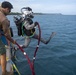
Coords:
pixel 17 13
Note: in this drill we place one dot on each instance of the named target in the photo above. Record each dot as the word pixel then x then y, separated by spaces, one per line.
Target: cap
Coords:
pixel 6 4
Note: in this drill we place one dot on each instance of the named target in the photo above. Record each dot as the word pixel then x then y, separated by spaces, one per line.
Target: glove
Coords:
pixel 15 48
pixel 36 23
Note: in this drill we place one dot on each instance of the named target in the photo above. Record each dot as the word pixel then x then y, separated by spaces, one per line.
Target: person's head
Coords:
pixel 6 6
pixel 27 12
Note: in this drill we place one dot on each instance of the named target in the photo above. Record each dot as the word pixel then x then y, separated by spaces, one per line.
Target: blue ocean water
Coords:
pixel 59 56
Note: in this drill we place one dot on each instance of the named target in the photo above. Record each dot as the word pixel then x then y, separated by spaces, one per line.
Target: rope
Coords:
pixel 31 66
pixel 37 47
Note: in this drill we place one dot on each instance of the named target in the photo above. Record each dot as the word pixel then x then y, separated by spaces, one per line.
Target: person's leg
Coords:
pixel 3 63
pixel 27 42
pixel 43 40
pixel 3 59
pixel 51 36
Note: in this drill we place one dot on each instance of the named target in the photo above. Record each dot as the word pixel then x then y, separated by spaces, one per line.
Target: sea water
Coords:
pixel 58 57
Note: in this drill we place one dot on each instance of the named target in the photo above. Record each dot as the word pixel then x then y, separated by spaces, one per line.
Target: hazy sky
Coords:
pixel 46 6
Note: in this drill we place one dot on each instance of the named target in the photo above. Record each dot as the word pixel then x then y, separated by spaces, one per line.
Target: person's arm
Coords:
pixel 5 27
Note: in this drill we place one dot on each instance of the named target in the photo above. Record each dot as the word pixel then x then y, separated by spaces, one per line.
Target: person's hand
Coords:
pixel 15 48
pixel 14 42
pixel 36 23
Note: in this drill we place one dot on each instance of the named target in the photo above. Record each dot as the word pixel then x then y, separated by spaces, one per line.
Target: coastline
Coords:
pixel 17 13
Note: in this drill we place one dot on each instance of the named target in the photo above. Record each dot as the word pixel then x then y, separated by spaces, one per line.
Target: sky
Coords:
pixel 66 7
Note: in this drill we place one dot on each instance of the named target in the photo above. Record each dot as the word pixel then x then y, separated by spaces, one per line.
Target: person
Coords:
pixel 26 27
pixel 5 9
